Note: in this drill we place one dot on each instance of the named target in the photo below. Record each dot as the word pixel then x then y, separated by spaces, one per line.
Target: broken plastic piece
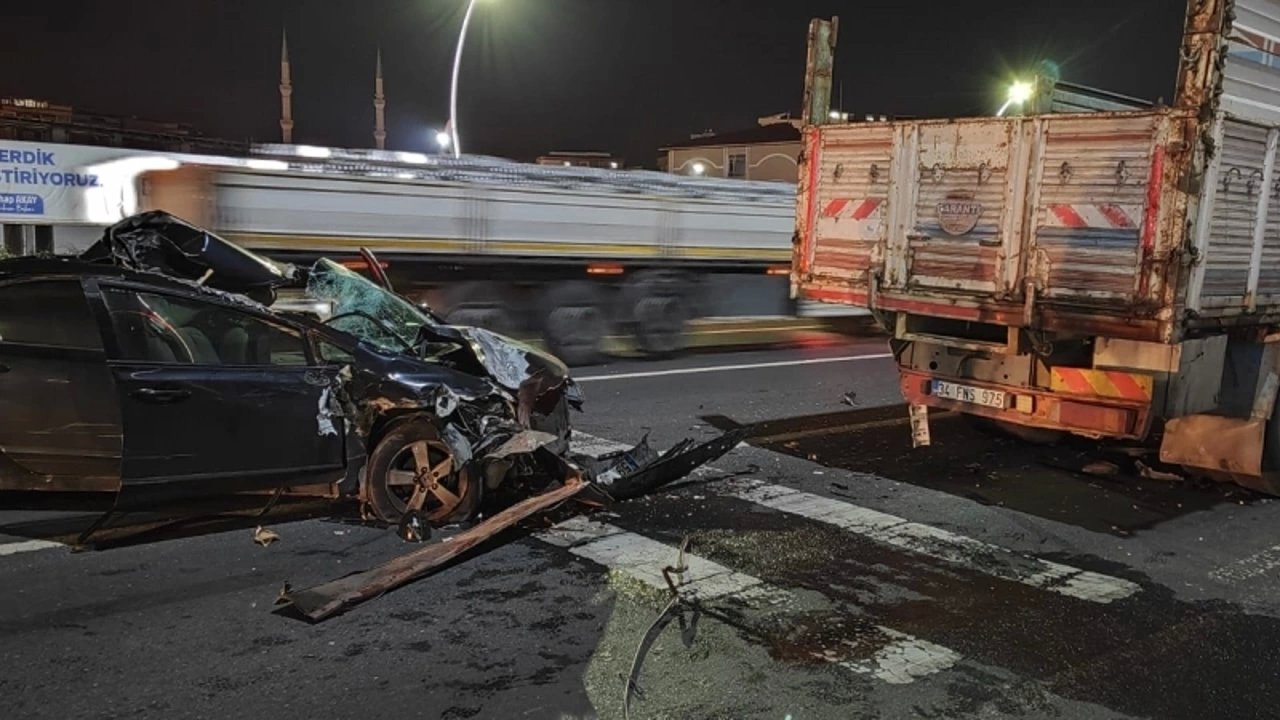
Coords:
pixel 265 536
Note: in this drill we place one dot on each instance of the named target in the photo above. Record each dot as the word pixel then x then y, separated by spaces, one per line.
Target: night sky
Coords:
pixel 624 76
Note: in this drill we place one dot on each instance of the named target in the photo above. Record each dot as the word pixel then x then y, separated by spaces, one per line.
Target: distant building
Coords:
pixel 34 120
pixel 582 159
pixel 769 151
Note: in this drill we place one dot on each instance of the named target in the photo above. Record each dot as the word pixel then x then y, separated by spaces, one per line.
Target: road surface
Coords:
pixel 830 573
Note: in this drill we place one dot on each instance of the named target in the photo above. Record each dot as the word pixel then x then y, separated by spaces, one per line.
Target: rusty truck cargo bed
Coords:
pixel 1081 223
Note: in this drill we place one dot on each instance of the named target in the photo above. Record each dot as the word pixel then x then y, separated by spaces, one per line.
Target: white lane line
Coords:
pixel 900 659
pixel 919 538
pixel 936 543
pixel 1250 567
pixel 730 368
pixel 27 546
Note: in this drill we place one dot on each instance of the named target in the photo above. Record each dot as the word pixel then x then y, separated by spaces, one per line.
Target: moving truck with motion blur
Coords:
pixel 1083 268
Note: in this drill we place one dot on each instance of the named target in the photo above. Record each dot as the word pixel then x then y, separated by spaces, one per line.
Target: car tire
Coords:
pixel 395 454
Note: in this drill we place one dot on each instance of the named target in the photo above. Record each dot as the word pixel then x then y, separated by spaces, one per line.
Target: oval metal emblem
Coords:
pixel 958 214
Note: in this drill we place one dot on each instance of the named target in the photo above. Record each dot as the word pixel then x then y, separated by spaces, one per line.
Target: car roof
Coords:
pixel 51 267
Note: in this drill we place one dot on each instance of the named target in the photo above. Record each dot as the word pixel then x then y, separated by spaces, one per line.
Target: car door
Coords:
pixel 59 417
pixel 215 397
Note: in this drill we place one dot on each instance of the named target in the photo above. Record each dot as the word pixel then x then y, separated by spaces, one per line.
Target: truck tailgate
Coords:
pixel 991 218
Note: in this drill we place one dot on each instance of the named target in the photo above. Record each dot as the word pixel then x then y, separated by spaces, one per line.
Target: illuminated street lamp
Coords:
pixel 444 140
pixel 699 168
pixel 455 142
pixel 1019 93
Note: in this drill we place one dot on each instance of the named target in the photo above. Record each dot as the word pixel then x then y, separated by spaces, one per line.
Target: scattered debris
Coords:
pixel 647 471
pixel 283 597
pixel 265 536
pixel 1151 473
pixel 1101 468
pixel 850 398
pixel 974 467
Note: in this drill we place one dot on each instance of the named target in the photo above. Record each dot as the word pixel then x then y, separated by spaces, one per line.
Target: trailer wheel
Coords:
pixel 661 325
pixel 481 304
pixel 410 454
pixel 575 323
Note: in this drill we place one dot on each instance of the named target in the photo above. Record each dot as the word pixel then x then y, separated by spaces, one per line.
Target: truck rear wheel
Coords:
pixel 661 325
pixel 575 323
pixel 481 304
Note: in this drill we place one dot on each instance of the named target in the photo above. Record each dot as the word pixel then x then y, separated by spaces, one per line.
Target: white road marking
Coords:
pixel 730 368
pixel 27 546
pixel 1259 563
pixel 940 544
pixel 920 538
pixel 904 659
pixel 900 660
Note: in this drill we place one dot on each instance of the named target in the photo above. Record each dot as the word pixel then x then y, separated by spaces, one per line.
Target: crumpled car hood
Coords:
pixel 510 362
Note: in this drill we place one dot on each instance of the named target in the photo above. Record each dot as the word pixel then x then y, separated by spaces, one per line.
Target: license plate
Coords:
pixel 969 394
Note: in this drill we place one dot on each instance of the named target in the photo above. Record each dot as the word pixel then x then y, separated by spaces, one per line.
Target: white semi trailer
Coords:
pixel 572 253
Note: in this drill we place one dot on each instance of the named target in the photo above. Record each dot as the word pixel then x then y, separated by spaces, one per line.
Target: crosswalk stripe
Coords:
pixel 936 543
pixel 27 546
pixel 900 659
pixel 919 538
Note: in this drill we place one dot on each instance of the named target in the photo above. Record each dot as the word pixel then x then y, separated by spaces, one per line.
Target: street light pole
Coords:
pixel 453 92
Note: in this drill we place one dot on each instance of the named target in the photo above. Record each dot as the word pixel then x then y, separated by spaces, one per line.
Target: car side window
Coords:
pixel 151 327
pixel 49 313
pixel 331 354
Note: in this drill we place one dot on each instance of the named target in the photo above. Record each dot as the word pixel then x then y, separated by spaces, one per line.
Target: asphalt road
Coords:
pixel 831 573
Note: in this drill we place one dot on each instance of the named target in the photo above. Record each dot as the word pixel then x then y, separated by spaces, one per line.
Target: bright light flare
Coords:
pixel 1020 92
pixel 699 168
pixel 444 140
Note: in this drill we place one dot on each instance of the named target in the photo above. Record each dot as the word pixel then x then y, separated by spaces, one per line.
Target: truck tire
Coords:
pixel 575 323
pixel 658 311
pixel 481 304
pixel 661 325
pixel 396 458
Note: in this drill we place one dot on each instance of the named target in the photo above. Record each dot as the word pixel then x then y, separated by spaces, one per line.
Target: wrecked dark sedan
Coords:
pixel 154 366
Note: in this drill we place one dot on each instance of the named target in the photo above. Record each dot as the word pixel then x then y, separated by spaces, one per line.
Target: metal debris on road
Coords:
pixel 646 472
pixel 265 536
pixel 1151 473
pixel 1101 468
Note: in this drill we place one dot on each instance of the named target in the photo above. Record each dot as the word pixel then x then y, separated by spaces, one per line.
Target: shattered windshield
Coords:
pixel 398 320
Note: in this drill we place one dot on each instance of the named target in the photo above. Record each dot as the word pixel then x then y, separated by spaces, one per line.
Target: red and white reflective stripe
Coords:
pixel 852 208
pixel 1095 215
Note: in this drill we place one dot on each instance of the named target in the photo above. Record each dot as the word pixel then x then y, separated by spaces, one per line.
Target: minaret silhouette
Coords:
pixel 286 92
pixel 379 108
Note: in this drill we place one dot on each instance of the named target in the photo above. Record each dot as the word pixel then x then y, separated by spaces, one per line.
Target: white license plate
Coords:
pixel 969 394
